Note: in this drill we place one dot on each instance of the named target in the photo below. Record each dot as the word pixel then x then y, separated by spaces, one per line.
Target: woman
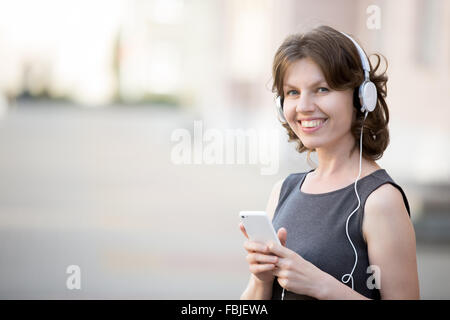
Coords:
pixel 344 226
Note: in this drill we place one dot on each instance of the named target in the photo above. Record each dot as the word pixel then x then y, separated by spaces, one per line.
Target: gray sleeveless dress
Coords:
pixel 315 225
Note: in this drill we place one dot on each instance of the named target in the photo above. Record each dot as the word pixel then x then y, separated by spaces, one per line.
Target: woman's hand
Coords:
pixel 294 273
pixel 261 262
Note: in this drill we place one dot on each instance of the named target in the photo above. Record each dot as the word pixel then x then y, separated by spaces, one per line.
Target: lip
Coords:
pixel 309 130
pixel 310 119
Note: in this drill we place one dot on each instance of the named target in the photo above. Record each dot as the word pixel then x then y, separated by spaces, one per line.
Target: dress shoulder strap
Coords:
pixel 287 187
pixel 377 179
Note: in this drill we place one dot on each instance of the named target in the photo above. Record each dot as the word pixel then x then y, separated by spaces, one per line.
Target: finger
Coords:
pixel 242 228
pixel 283 282
pixel 280 273
pixel 279 250
pixel 276 271
pixel 253 246
pixel 282 235
pixel 285 264
pixel 261 258
pixel 258 268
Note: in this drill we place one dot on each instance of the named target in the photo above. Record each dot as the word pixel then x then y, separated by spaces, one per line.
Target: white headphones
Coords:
pixel 368 99
pixel 367 91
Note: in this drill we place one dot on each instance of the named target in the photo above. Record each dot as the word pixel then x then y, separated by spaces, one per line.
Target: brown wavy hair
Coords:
pixel 338 58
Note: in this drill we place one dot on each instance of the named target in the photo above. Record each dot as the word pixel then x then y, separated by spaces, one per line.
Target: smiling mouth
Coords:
pixel 312 123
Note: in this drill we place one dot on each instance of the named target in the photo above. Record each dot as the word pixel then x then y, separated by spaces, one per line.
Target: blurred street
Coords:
pixel 95 187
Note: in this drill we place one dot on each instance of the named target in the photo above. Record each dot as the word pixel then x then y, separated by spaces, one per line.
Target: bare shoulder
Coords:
pixel 273 198
pixel 277 185
pixel 384 208
pixel 391 243
pixel 386 196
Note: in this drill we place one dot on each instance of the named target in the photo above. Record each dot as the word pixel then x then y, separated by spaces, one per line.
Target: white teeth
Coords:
pixel 312 123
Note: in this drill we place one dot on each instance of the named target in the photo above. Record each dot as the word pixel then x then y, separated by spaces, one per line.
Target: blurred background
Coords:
pixel 91 93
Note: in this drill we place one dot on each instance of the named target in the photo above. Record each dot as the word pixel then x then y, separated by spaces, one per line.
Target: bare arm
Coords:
pixel 391 243
pixel 257 289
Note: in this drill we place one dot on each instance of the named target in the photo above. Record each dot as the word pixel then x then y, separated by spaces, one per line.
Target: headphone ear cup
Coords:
pixel 368 96
pixel 279 105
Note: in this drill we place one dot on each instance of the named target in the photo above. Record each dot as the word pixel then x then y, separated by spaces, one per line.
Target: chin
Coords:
pixel 311 144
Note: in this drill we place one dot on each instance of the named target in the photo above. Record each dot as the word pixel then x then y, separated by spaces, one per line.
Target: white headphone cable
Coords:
pixel 349 276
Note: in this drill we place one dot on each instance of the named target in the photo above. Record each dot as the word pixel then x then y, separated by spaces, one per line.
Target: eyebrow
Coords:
pixel 315 83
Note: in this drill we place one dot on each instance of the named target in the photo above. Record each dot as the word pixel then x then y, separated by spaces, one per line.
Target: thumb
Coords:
pixel 282 235
pixel 242 228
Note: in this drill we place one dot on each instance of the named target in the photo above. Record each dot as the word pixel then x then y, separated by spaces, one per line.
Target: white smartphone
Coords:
pixel 258 226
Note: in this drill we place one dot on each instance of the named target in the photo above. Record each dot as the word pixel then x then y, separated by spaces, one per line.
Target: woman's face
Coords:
pixel 319 116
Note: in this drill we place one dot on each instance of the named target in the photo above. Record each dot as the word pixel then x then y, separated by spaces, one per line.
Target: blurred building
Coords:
pixel 99 180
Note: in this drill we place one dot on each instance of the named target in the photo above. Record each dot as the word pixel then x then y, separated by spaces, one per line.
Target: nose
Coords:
pixel 305 104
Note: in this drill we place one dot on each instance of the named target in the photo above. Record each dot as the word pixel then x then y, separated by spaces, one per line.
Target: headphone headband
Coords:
pixel 367 90
pixel 362 55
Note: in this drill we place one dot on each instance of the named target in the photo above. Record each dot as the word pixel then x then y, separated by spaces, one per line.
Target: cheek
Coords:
pixel 343 112
pixel 351 116
pixel 343 121
pixel 290 114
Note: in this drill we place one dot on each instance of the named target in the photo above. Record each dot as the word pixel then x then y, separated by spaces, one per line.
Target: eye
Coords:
pixel 291 92
pixel 323 88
